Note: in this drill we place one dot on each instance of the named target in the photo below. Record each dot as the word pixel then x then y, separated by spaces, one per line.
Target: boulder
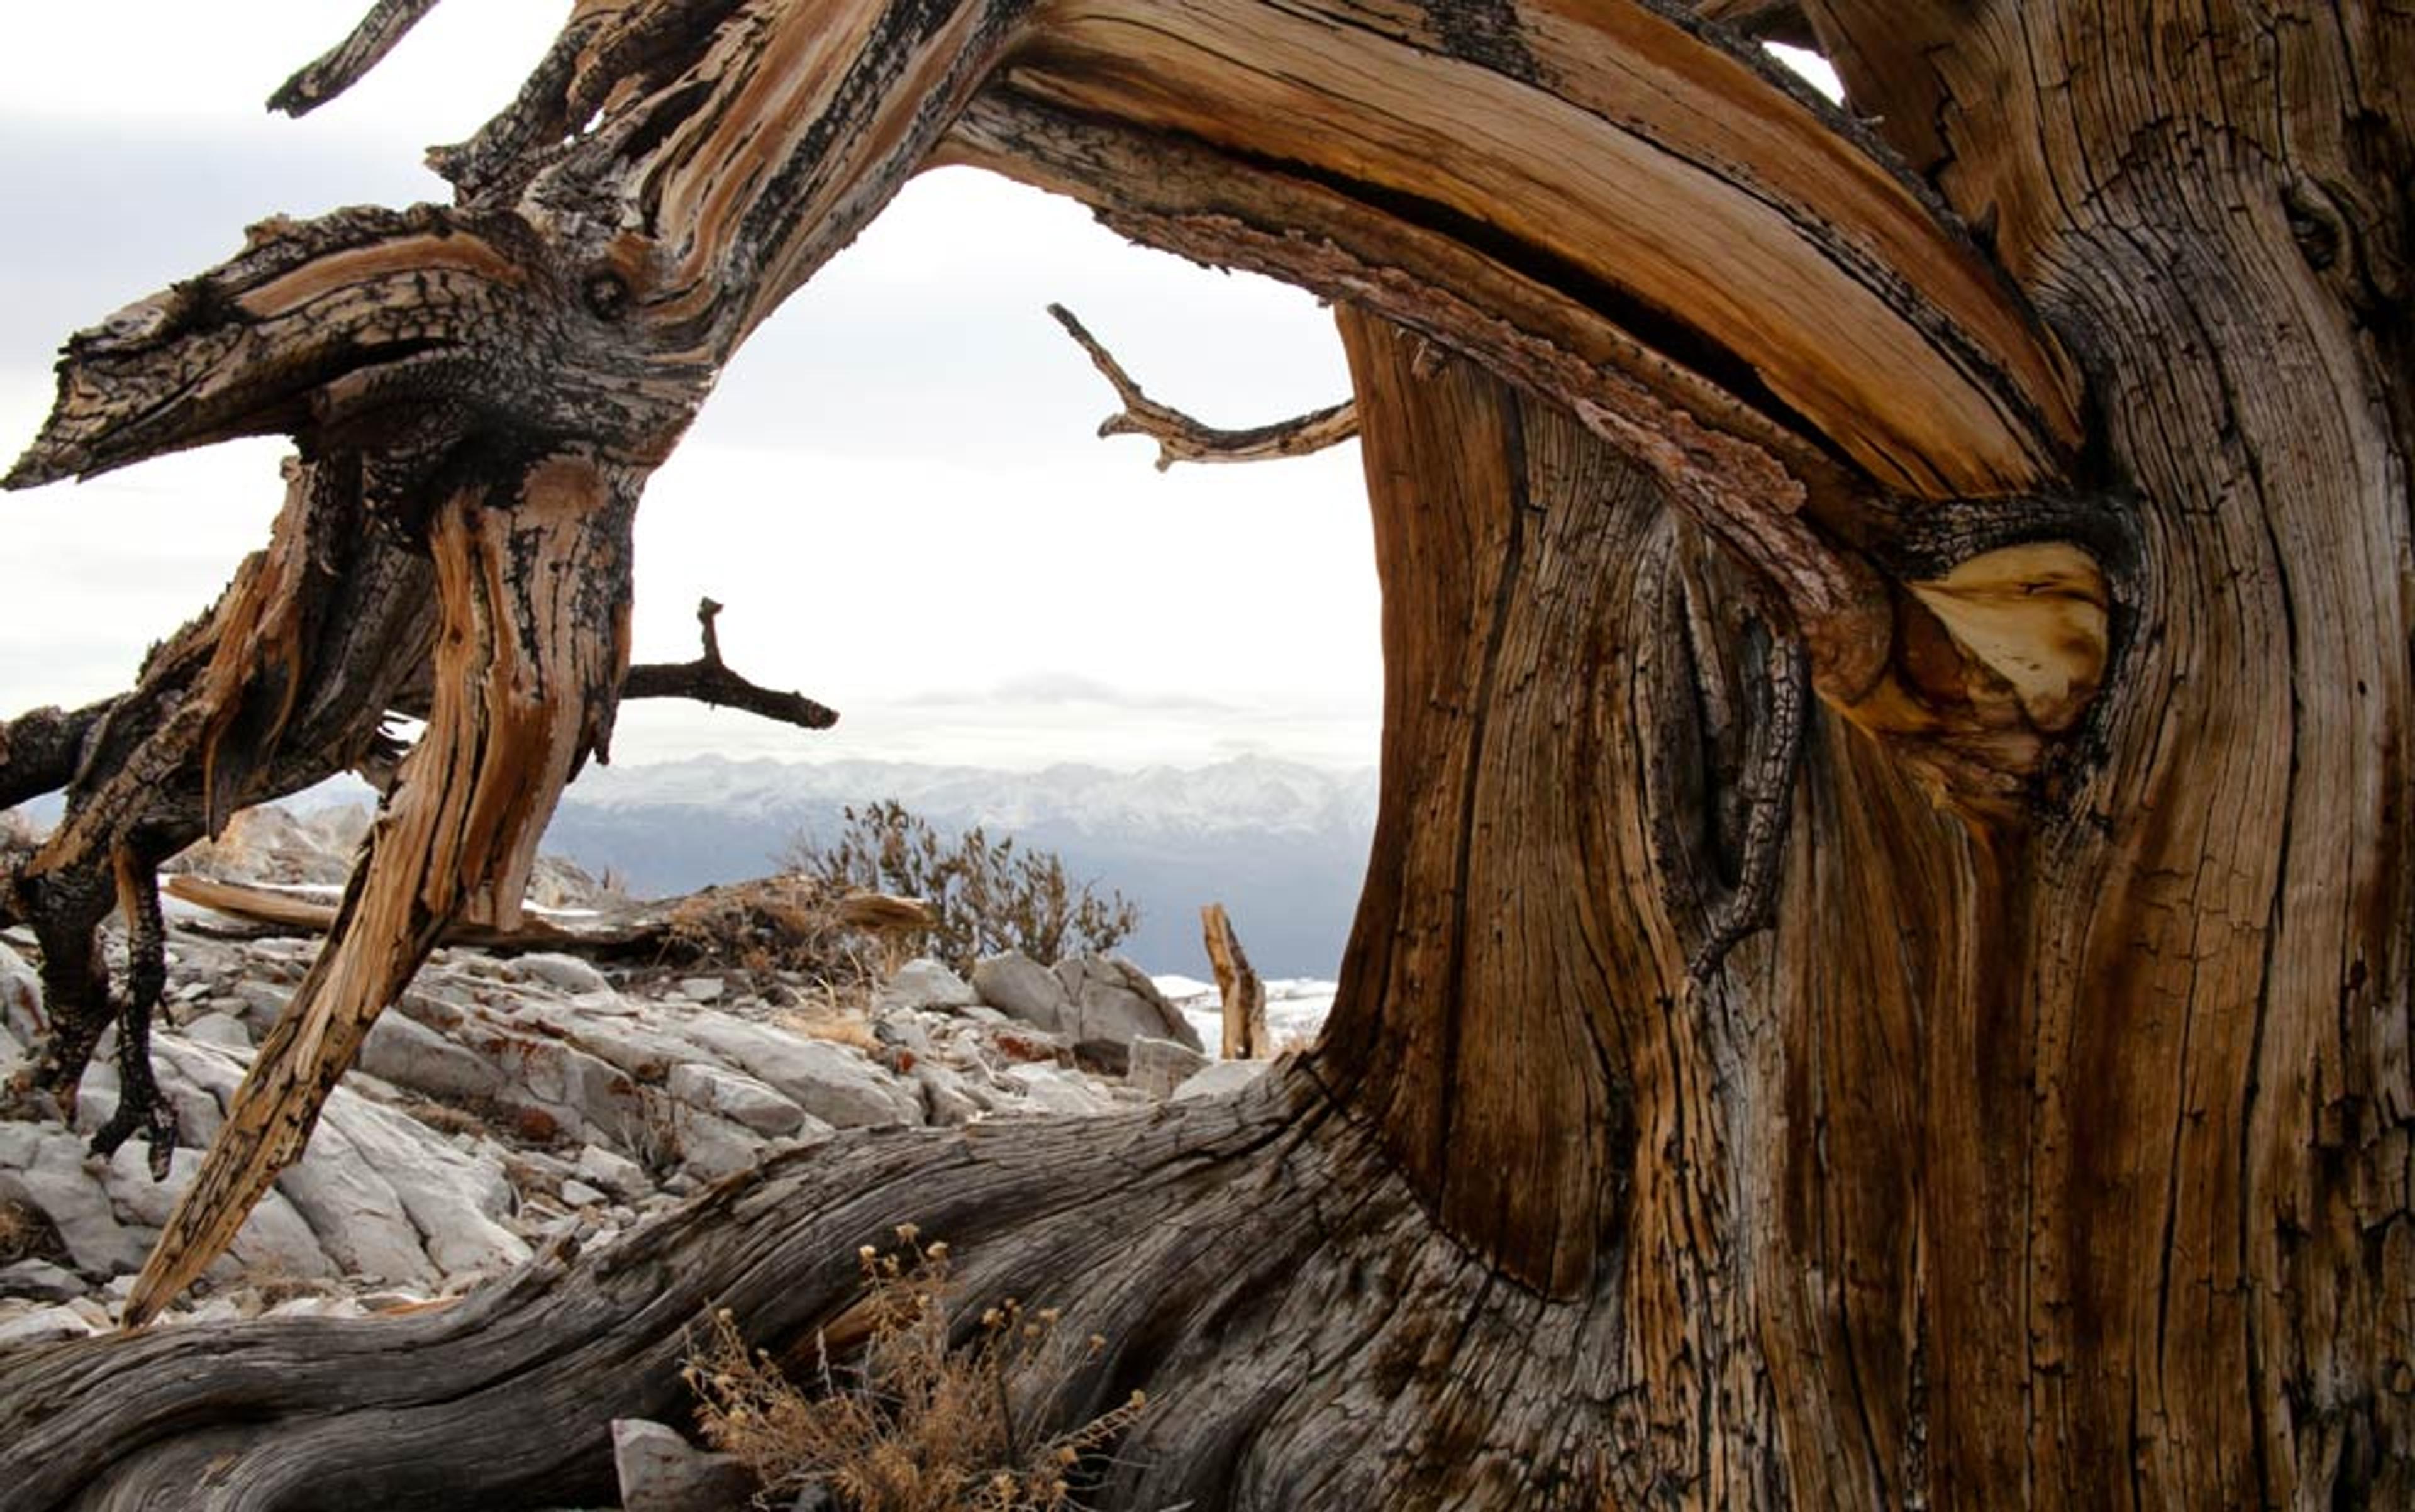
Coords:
pixel 39 1281
pixel 1016 985
pixel 1160 1066
pixel 1114 1000
pixel 925 984
pixel 616 1174
pixel 401 1050
pixel 661 1472
pixel 946 1100
pixel 1055 1089
pixel 52 1176
pixel 20 998
pixel 222 1031
pixel 712 1147
pixel 634 1046
pixel 43 1325
pixel 565 972
pixel 355 1212
pixel 456 1201
pixel 275 1238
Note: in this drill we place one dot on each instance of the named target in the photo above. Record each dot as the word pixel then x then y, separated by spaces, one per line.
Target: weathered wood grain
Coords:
pixel 2051 1146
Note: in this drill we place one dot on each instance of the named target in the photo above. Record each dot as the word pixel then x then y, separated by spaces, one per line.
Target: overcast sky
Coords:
pixel 895 490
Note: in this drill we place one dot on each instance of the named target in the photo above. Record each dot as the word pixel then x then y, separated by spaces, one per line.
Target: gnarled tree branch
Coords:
pixel 349 61
pixel 708 681
pixel 1181 439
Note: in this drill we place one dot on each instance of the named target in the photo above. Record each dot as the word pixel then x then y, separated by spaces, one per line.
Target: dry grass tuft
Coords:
pixel 20 1235
pixel 827 1020
pixel 916 1427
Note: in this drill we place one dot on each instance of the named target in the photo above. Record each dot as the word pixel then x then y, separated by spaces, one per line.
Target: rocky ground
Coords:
pixel 507 1098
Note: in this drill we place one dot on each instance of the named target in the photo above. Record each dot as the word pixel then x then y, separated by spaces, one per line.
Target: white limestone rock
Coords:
pixel 925 984
pixel 1016 985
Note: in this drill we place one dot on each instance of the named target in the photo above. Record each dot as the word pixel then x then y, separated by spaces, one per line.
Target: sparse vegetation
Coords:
pixel 18 1230
pixel 775 923
pixel 986 895
pixel 918 1426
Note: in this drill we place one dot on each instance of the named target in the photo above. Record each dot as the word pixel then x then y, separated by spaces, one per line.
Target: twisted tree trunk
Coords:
pixel 1885 971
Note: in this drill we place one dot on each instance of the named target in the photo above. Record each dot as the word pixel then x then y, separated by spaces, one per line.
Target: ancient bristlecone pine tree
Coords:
pixel 1884 976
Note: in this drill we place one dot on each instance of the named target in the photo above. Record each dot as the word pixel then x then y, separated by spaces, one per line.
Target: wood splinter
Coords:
pixel 1181 439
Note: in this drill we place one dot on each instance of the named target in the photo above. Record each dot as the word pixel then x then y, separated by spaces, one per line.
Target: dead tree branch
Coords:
pixel 40 749
pixel 1181 439
pixel 709 680
pixel 349 61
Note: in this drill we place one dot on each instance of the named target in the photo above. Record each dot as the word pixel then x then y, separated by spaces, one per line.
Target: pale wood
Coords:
pixel 1237 982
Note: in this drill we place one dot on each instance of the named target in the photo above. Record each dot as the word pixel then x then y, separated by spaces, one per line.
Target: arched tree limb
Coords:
pixel 636 255
pixel 1678 306
pixel 1181 439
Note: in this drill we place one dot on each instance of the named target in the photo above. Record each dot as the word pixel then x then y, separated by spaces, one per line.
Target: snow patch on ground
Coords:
pixel 1296 1007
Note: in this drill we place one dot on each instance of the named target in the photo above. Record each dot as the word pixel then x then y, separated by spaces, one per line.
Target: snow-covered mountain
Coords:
pixel 1283 846
pixel 1252 793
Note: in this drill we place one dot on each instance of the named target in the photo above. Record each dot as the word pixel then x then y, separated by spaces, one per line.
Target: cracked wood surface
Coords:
pixel 2050 1147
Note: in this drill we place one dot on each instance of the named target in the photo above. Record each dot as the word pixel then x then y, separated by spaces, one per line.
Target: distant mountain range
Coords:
pixel 1282 846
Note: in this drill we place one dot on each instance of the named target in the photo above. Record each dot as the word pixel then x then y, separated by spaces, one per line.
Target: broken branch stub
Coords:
pixel 1237 982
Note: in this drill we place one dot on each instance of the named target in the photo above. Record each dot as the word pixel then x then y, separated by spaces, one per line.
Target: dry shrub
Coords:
pixel 917 1426
pixel 774 923
pixel 986 895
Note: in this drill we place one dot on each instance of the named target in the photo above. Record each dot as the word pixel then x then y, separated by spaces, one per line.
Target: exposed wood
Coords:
pixel 1237 984
pixel 636 932
pixel 1181 439
pixel 535 588
pixel 297 913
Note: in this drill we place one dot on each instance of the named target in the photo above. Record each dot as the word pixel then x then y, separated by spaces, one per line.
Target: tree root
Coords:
pixel 1253 1264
